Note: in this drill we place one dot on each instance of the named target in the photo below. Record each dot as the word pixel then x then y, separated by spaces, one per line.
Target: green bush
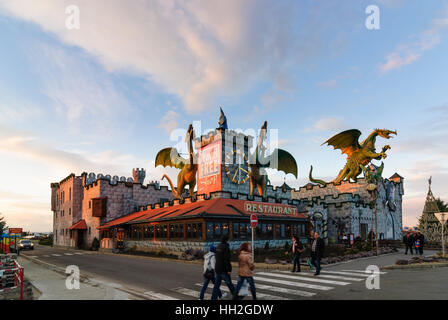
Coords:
pixel 266 245
pixel 47 241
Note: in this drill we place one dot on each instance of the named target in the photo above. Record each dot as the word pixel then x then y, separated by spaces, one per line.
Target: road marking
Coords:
pixel 68 254
pixel 363 271
pixel 316 279
pixel 80 253
pixel 259 295
pixel 294 284
pixel 278 289
pixel 347 273
pixel 33 256
pixel 158 296
pixel 192 293
pixel 327 276
pixel 56 255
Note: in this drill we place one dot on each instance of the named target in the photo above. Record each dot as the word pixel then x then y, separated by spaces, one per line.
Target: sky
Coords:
pixel 106 97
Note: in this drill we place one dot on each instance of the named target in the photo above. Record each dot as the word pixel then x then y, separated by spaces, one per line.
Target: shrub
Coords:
pixel 47 241
pixel 95 244
pixel 266 245
pixel 287 246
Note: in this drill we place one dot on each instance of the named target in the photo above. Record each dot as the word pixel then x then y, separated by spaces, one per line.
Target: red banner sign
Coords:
pixel 209 168
pixel 15 230
pixel 251 207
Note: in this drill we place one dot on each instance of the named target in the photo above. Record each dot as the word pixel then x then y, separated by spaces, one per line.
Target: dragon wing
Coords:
pixel 347 141
pixel 170 157
pixel 283 161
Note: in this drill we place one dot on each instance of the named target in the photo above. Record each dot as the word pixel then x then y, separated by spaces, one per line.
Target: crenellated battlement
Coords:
pixel 219 195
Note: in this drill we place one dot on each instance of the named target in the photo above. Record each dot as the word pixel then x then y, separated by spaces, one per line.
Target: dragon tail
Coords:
pixel 315 180
pixel 172 186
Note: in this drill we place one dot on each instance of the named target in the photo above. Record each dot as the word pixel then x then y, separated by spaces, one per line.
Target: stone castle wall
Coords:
pixel 349 204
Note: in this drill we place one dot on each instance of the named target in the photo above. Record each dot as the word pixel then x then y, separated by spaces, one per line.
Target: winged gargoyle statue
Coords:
pixel 279 159
pixel 357 154
pixel 187 175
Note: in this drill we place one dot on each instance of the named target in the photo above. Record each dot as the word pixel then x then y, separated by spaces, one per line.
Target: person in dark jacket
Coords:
pixel 297 249
pixel 408 241
pixel 317 252
pixel 223 267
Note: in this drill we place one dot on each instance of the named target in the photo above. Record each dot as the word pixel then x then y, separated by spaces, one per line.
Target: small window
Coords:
pixel 90 204
pixel 89 230
pixel 69 211
pixel 70 194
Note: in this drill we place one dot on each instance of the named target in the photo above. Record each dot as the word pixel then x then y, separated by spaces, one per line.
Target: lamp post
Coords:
pixel 441 216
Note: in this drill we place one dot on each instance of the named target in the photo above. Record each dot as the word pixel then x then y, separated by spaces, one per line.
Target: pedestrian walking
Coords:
pixel 223 267
pixel 317 252
pixel 408 240
pixel 246 270
pixel 209 272
pixel 297 249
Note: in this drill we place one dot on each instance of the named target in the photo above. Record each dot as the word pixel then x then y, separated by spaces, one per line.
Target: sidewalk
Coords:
pixel 51 285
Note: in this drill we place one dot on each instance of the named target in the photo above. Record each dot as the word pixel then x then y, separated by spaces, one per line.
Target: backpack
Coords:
pixel 209 273
pixel 417 243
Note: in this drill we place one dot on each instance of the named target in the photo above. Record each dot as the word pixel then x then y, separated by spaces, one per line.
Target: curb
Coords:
pixel 53 267
pixel 359 259
pixel 82 278
pixel 416 266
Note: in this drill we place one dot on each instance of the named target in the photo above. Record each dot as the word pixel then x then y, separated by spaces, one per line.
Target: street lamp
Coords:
pixel 441 216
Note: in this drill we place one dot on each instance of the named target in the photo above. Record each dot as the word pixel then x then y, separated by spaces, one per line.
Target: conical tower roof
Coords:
pixel 430 204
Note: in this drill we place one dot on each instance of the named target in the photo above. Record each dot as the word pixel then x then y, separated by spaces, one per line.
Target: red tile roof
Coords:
pixel 80 225
pixel 214 207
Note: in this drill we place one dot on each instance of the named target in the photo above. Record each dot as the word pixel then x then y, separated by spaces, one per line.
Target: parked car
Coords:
pixel 26 244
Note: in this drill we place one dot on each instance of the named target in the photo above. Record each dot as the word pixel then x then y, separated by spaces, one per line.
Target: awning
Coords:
pixel 80 225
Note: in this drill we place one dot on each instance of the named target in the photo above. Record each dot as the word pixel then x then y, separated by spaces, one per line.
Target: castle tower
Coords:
pixel 223 161
pixel 139 175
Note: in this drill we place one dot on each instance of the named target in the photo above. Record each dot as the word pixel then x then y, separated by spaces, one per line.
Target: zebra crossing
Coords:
pixel 80 253
pixel 277 285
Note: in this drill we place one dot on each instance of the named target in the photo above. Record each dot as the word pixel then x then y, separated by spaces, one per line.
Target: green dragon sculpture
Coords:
pixel 357 154
pixel 279 159
pixel 187 175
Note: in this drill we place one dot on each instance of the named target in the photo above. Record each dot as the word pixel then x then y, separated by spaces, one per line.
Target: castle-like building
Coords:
pixel 146 217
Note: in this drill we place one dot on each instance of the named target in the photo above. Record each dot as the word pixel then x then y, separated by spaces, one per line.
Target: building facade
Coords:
pixel 125 212
pixel 346 208
pixel 80 204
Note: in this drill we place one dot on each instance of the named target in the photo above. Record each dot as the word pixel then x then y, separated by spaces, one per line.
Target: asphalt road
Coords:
pixel 156 279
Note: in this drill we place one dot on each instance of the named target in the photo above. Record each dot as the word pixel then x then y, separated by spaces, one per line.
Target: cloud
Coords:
pixel 326 124
pixel 169 121
pixel 408 53
pixel 327 84
pixel 197 50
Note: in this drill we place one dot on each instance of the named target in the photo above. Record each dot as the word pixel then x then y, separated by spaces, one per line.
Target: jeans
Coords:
pixel 240 283
pixel 218 279
pixel 296 262
pixel 410 248
pixel 316 263
pixel 204 287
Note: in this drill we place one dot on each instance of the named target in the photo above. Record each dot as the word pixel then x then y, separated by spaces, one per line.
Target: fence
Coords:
pixel 10 268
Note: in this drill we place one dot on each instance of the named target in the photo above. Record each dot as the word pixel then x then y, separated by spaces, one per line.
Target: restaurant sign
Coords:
pixel 251 207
